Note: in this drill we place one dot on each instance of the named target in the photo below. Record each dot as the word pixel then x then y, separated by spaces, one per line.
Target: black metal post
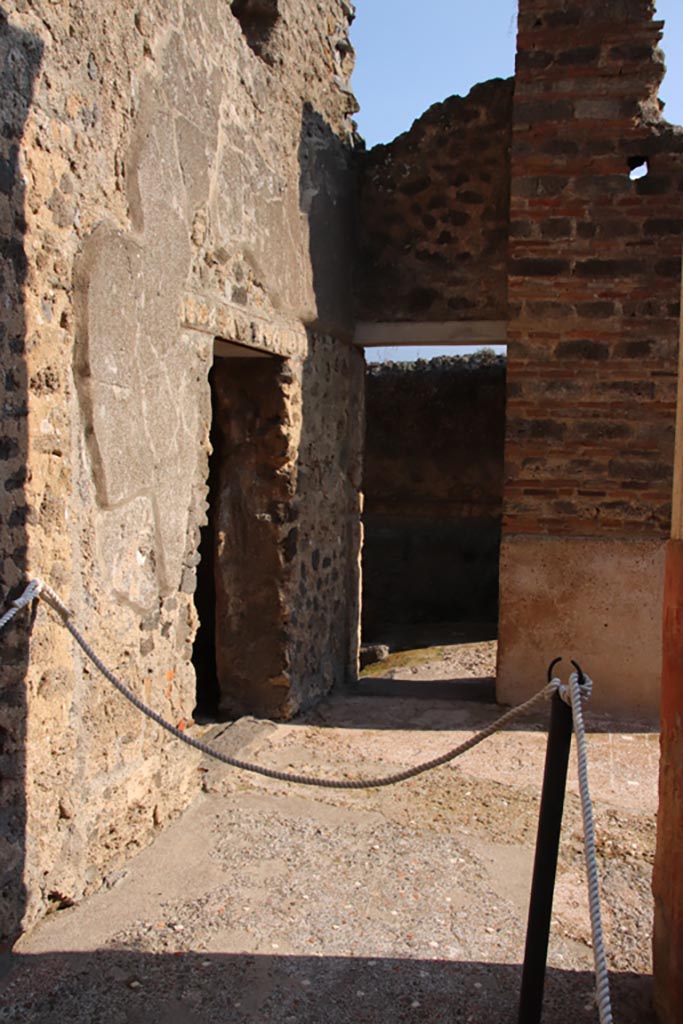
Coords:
pixel 545 860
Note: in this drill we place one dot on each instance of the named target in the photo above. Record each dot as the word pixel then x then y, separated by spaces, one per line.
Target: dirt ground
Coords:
pixel 274 903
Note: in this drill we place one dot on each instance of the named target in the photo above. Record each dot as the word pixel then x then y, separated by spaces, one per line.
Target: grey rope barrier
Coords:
pixel 309 780
pixel 38 588
pixel 51 598
pixel 328 783
pixel 579 690
pixel 32 591
pixel 566 714
pixel 573 694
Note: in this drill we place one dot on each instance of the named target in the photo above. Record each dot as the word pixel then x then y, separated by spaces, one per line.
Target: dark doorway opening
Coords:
pixel 433 482
pixel 239 648
pixel 204 651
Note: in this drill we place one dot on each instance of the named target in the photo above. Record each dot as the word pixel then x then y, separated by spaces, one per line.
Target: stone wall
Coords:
pixel 433 486
pixel 286 528
pixel 181 172
pixel 584 263
pixel 434 211
pixel 324 579
pixel 594 297
pixel 168 174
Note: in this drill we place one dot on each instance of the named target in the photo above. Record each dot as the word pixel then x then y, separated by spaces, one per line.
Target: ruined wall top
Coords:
pixel 434 213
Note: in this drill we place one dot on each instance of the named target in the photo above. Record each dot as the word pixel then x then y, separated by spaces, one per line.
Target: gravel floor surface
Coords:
pixel 273 903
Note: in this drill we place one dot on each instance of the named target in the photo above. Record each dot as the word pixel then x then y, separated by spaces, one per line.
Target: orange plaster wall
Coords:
pixel 668 874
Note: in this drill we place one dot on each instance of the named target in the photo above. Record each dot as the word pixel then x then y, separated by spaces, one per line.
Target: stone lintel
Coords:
pixel 235 324
pixel 441 332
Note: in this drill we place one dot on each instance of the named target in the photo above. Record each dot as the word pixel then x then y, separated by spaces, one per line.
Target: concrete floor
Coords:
pixel 267 902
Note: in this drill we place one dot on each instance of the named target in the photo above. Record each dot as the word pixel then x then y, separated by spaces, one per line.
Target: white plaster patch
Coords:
pixel 126 550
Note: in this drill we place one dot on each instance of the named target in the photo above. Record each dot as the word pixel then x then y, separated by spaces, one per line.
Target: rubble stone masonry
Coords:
pixel 434 211
pixel 178 175
pixel 170 172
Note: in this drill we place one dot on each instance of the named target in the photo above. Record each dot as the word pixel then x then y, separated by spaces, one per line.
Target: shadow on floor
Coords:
pixel 461 703
pixel 481 690
pixel 413 636
pixel 127 987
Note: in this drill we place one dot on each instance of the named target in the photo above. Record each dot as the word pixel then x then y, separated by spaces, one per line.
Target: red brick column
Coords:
pixel 668 876
pixel 594 275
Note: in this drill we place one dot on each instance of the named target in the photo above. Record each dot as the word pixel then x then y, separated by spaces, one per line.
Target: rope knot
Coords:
pixel 32 590
pixel 54 600
pixel 581 684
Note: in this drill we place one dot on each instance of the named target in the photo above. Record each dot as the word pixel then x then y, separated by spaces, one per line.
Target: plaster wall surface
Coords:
pixel 166 178
pixel 569 597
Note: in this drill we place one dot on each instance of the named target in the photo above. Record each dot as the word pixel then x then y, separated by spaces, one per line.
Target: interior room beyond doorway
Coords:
pixel 238 651
pixel 433 479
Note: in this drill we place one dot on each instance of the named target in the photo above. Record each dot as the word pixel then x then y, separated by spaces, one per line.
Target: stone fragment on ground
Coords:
pixel 371 653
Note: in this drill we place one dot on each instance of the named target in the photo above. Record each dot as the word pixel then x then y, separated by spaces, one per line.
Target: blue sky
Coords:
pixel 410 55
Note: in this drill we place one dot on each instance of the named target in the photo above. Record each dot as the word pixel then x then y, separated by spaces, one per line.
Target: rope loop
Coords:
pixel 52 598
pixel 33 589
pixel 583 682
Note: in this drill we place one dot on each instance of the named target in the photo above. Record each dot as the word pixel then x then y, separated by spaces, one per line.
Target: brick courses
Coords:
pixel 594 263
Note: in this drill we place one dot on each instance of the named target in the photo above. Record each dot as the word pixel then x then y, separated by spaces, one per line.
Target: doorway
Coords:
pixel 239 652
pixel 433 484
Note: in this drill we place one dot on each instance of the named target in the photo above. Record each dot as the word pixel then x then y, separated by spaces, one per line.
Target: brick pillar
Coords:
pixel 594 274
pixel 667 883
pixel 668 875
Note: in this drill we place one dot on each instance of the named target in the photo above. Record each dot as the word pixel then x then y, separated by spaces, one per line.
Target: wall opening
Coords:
pixel 433 485
pixel 204 651
pixel 638 167
pixel 257 20
pixel 238 655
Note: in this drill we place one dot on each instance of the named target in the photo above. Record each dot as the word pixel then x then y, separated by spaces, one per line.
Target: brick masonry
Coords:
pixel 594 275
